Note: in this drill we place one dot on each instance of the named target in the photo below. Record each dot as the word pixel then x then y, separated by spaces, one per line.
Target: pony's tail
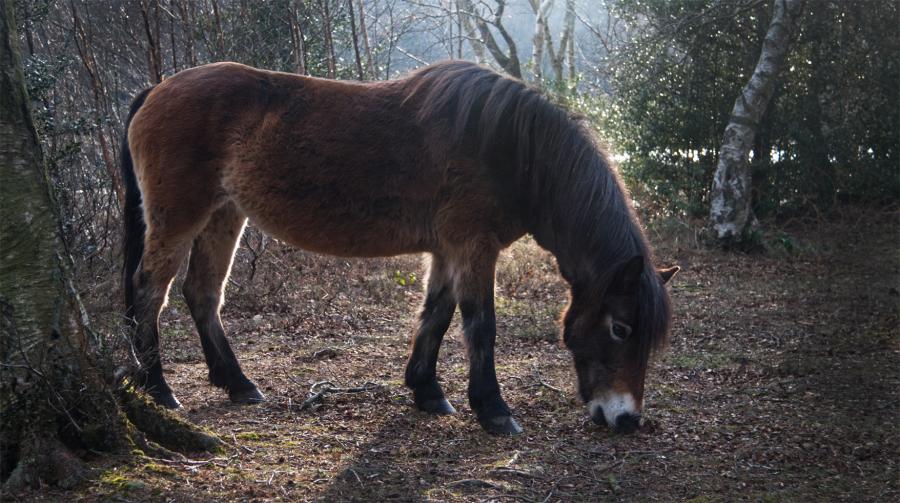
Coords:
pixel 132 215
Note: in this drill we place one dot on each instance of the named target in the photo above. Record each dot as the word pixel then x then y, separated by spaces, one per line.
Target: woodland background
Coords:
pixel 657 77
pixel 781 380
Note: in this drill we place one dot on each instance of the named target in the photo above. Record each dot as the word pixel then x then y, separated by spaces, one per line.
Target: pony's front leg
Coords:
pixel 479 325
pixel 421 369
pixel 475 294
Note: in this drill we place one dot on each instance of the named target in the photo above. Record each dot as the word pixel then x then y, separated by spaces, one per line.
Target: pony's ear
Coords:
pixel 668 273
pixel 628 277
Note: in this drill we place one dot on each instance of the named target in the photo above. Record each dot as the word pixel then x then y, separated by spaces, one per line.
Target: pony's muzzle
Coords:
pixel 627 423
pixel 624 423
pixel 617 410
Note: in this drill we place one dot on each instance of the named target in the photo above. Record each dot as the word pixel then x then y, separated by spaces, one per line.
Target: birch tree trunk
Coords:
pixel 40 339
pixel 52 390
pixel 543 37
pixel 557 58
pixel 465 19
pixel 541 10
pixel 731 211
pixel 570 40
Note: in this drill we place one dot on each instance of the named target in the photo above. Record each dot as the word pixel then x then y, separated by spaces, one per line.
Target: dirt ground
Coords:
pixel 780 384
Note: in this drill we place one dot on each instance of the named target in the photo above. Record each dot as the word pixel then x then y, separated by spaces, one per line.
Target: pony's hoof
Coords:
pixel 438 406
pixel 247 396
pixel 166 400
pixel 501 425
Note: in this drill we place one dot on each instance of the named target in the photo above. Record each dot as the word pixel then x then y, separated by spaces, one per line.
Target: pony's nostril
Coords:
pixel 617 410
pixel 627 423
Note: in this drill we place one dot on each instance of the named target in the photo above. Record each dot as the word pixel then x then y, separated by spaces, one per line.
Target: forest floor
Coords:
pixel 780 383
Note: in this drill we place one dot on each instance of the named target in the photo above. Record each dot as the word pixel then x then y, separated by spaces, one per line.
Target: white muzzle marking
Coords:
pixel 613 405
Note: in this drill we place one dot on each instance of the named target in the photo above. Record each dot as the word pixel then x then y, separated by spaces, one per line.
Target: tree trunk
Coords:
pixel 299 46
pixel 466 21
pixel 545 38
pixel 187 30
pixel 172 42
pixel 220 34
pixel 154 59
pixel 329 43
pixel 569 37
pixel 353 34
pixel 39 349
pixel 370 64
pixel 566 45
pixel 459 33
pixel 509 62
pixel 52 390
pixel 816 100
pixel 731 212
pixel 541 9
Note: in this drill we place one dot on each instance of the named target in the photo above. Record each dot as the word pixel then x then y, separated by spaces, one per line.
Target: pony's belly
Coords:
pixel 337 233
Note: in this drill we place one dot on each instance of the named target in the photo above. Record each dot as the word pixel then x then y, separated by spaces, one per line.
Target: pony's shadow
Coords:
pixel 412 457
pixel 416 456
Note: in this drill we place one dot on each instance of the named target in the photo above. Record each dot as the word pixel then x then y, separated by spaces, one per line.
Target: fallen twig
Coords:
pixel 359 480
pixel 541 382
pixel 547 385
pixel 552 490
pixel 513 471
pixel 239 446
pixel 473 483
pixel 191 462
pixel 320 389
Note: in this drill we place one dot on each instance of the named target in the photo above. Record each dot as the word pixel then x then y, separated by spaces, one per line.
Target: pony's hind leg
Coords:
pixel 163 255
pixel 421 369
pixel 203 288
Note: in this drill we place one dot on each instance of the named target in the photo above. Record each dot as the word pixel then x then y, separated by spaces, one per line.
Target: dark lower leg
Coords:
pixel 224 369
pixel 480 330
pixel 210 263
pixel 151 378
pixel 145 339
pixel 421 369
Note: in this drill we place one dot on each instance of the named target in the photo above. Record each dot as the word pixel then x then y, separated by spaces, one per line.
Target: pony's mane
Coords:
pixel 572 199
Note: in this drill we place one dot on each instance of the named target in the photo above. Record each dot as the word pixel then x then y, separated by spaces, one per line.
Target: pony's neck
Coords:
pixel 587 223
pixel 575 259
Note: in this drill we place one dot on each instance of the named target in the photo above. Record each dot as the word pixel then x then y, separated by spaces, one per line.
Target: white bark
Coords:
pixel 566 45
pixel 542 41
pixel 569 37
pixel 541 10
pixel 731 212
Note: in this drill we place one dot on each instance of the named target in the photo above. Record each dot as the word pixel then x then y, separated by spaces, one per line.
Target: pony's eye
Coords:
pixel 620 330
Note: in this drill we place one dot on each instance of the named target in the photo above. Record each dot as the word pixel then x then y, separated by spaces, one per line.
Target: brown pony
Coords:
pixel 454 160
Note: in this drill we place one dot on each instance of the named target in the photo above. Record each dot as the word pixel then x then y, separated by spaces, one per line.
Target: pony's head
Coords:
pixel 611 333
